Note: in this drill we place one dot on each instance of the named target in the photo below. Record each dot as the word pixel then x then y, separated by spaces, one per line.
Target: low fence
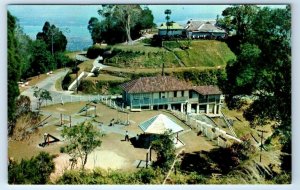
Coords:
pixel 219 136
pixel 62 99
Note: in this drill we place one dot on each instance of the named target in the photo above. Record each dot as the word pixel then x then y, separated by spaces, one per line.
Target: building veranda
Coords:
pixel 167 92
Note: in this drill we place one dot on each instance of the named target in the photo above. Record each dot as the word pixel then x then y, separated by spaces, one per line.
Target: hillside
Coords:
pixel 209 53
pixel 201 53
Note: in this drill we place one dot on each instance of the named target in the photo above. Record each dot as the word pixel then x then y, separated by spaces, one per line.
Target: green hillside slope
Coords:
pixel 202 53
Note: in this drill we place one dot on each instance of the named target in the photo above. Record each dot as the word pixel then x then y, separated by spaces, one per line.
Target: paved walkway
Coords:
pixel 67 96
pixel 58 97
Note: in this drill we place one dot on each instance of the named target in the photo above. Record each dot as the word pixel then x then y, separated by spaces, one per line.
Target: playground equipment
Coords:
pixel 87 107
pixel 41 123
pixel 47 141
pixel 62 121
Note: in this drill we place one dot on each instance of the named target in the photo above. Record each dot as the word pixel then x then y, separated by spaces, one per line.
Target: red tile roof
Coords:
pixel 155 84
pixel 207 90
pixel 164 84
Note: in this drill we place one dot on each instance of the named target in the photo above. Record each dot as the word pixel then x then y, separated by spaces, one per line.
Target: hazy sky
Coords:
pixel 179 12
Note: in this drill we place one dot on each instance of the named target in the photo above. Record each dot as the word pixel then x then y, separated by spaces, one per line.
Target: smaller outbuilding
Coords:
pixel 174 30
pixel 160 124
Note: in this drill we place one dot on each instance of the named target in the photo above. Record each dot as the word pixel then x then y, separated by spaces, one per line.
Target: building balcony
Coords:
pixel 158 101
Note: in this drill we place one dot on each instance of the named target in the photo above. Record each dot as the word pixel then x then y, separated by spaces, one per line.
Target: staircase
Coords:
pixel 228 125
pixel 73 85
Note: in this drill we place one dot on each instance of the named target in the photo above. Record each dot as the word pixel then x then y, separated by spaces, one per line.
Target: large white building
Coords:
pixel 166 92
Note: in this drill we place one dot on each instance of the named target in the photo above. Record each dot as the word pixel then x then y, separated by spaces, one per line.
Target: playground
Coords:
pixel 115 152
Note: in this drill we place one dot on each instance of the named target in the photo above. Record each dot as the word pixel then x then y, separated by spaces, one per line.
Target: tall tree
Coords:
pixel 82 140
pixel 96 30
pixel 13 68
pixel 168 23
pixel 41 60
pixel 126 16
pixel 263 66
pixel 55 40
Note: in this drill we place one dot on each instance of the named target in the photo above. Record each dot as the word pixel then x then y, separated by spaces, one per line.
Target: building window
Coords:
pixel 175 94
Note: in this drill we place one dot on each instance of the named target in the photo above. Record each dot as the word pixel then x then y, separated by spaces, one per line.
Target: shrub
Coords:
pixel 87 87
pixel 96 72
pixel 34 171
pixel 94 51
pixel 66 82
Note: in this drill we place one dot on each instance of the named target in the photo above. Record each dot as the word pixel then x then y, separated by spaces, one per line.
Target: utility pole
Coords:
pixel 52 42
pixel 261 142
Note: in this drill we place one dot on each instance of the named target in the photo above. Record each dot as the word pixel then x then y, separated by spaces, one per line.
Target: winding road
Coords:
pixel 57 96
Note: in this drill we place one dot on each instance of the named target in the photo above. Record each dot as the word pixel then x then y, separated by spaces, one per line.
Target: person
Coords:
pixel 126 136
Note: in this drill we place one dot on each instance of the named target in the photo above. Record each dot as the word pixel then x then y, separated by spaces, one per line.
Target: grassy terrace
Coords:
pixel 155 70
pixel 207 53
pixel 202 53
pixel 139 47
pixel 106 77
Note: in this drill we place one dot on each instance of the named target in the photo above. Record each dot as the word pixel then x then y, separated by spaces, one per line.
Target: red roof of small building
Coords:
pixel 207 90
pixel 164 84
pixel 155 84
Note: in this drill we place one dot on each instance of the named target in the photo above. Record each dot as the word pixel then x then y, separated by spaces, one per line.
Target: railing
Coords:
pixel 157 101
pixel 211 132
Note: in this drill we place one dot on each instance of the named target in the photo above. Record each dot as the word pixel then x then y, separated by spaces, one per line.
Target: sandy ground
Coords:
pixel 99 158
pixel 114 153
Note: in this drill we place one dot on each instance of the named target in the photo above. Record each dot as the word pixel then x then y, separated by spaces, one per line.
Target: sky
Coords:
pixel 179 12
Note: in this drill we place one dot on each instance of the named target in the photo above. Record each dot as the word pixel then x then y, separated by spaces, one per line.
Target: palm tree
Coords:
pixel 168 24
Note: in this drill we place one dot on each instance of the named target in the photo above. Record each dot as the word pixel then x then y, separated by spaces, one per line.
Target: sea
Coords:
pixel 73 20
pixel 76 31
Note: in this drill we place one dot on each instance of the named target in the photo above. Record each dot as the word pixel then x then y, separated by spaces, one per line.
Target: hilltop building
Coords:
pixel 174 30
pixel 204 29
pixel 167 92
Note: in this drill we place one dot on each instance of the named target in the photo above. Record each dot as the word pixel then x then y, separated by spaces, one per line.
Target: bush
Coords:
pixel 34 171
pixel 66 82
pixel 75 70
pixel 95 51
pixel 96 72
pixel 63 61
pixel 111 87
pixel 87 87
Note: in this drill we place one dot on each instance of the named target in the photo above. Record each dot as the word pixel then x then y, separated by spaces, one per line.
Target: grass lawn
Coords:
pixel 73 54
pixel 155 70
pixel 139 46
pixel 86 66
pixel 202 53
pixel 205 53
pixel 105 77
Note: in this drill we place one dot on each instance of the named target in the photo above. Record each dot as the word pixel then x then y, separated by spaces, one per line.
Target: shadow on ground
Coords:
pixel 197 161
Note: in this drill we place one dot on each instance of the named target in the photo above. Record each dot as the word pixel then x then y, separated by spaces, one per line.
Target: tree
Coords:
pixel 125 15
pixel 55 40
pixel 146 19
pixel 96 30
pixel 165 150
pixel 82 140
pixel 41 60
pixel 23 105
pixel 37 170
pixel 168 23
pixel 13 68
pixel 144 22
pixel 263 67
pixel 42 95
